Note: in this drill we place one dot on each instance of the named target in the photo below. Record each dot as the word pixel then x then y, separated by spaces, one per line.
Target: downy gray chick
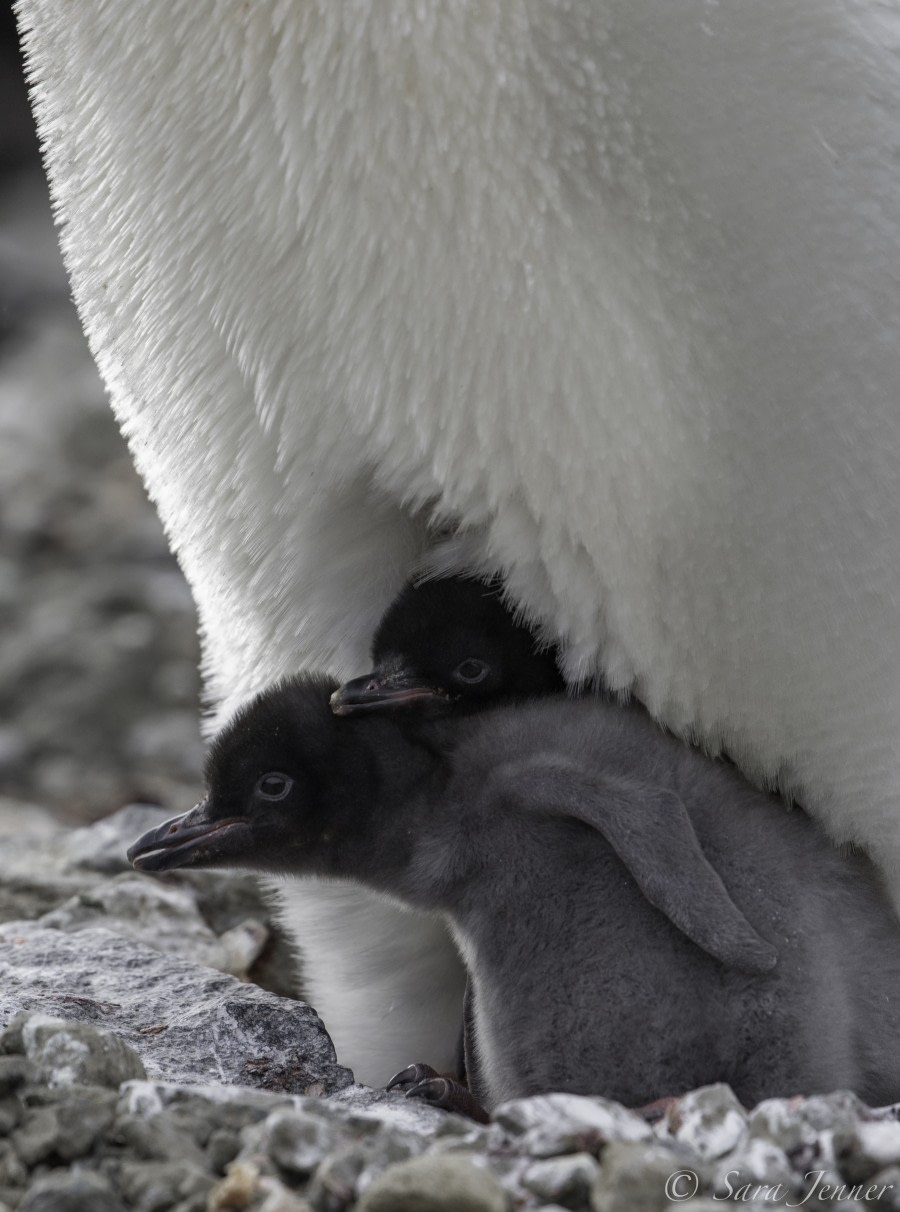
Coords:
pixel 450 644
pixel 635 918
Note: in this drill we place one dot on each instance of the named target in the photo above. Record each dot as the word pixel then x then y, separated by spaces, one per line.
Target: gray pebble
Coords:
pixel 244 1186
pixel 157 1187
pixel 222 1148
pixel 831 1112
pixel 15 1071
pixel 83 1115
pixel 887 1183
pixel 867 1148
pixel 66 1053
pixel 709 1120
pixel 12 1169
pixel 297 1142
pixel 37 1136
pixel 805 1128
pixel 758 1161
pixel 68 1191
pixel 99 847
pixel 551 1124
pixel 638 1177
pixel 333 1186
pixel 711 1204
pixel 10 1114
pixel 565 1180
pixel 157 1138
pixel 434 1183
pixel 454 1132
pixel 11 1042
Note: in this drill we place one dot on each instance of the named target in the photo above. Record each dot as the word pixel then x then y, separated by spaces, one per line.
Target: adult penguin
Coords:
pixel 607 287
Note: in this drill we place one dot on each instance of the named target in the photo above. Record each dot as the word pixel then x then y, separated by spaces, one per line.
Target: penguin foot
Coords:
pixel 411 1076
pixel 421 1081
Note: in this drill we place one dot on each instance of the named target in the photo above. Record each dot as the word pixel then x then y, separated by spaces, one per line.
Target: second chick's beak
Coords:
pixel 390 692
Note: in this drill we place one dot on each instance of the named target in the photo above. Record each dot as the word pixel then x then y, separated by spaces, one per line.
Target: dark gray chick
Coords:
pixel 636 919
pixel 450 644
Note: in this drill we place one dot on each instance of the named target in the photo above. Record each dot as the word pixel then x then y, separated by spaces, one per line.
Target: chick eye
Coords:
pixel 274 786
pixel 471 671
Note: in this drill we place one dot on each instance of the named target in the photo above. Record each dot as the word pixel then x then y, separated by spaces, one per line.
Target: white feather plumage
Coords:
pixel 610 285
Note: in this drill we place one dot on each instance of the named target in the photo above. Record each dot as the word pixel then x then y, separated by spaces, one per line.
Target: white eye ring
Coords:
pixel 471 670
pixel 286 783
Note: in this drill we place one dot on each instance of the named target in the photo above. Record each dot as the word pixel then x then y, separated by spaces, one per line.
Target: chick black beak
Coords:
pixel 191 840
pixel 376 692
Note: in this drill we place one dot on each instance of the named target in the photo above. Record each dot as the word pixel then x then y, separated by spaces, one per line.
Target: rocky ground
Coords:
pixel 146 1063
pixel 151 1056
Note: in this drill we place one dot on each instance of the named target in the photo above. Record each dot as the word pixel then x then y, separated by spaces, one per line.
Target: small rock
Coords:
pixel 102 845
pixel 225 898
pixel 886 1184
pixel 158 1139
pixel 37 1136
pixel 334 1183
pixel 366 1110
pixel 386 1150
pixel 68 1191
pixel 222 1106
pixel 550 1124
pixel 157 1187
pixel 866 1149
pixel 12 1169
pixel 221 1149
pixel 10 1114
pixel 11 1042
pixel 237 1189
pixel 297 1142
pixel 455 1132
pixel 434 1183
pixel 804 1128
pixel 83 1115
pixel 565 1180
pixel 66 1053
pixel 834 1112
pixel 15 1071
pixel 757 1162
pixel 244 1186
pixel 641 1177
pixel 277 1198
pixel 163 916
pixel 709 1120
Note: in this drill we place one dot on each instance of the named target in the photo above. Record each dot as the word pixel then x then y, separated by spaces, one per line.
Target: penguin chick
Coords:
pixel 636 920
pixel 450 643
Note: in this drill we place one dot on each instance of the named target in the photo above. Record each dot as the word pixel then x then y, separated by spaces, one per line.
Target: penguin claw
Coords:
pixel 436 1091
pixel 411 1076
pixel 423 1082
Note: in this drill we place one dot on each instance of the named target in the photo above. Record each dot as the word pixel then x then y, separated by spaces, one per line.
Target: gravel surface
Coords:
pixel 85 1131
